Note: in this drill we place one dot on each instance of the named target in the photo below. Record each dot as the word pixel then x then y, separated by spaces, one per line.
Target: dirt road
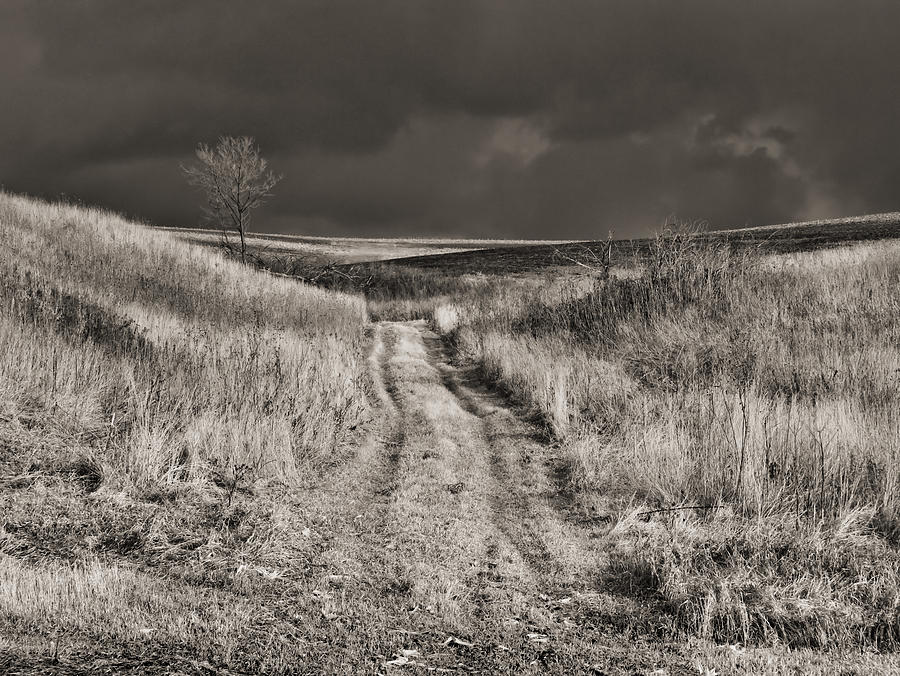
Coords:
pixel 452 538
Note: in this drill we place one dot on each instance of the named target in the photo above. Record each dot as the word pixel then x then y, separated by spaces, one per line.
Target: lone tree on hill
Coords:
pixel 235 179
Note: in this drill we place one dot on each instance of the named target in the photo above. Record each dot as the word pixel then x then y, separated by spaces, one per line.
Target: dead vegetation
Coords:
pixel 157 404
pixel 702 458
pixel 759 385
pixel 705 372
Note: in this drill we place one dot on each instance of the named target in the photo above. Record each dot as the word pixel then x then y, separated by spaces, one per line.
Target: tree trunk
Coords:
pixel 243 247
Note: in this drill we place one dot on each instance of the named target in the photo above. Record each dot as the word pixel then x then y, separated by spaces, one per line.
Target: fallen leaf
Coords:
pixel 538 638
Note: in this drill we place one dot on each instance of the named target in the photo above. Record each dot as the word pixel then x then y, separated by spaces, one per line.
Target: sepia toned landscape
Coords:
pixel 480 337
pixel 687 460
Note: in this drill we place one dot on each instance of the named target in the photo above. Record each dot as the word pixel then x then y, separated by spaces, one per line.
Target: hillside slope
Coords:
pixel 790 237
pixel 155 399
pixel 207 469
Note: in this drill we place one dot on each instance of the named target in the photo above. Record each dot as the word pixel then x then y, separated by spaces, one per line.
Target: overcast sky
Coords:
pixel 549 119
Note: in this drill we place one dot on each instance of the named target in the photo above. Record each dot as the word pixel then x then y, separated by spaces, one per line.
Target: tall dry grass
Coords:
pixel 763 388
pixel 158 404
pixel 167 361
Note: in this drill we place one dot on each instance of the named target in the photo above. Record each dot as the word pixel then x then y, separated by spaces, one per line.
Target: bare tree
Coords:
pixel 235 179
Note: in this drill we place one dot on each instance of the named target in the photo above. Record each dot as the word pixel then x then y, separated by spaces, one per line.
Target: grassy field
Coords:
pixel 753 402
pixel 792 237
pixel 475 466
pixel 347 250
pixel 156 402
pixel 728 401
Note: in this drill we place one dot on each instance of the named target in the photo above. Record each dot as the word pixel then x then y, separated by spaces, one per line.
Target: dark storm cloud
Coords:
pixel 514 118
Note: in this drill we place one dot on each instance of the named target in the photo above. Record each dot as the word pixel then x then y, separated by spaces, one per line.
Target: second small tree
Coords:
pixel 236 180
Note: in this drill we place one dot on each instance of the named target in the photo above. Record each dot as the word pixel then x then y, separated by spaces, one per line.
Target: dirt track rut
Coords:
pixel 461 532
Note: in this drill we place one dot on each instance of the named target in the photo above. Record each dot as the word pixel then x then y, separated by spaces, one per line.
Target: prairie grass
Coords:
pixel 753 400
pixel 283 250
pixel 120 603
pixel 392 292
pixel 180 479
pixel 735 411
pixel 159 405
pixel 175 358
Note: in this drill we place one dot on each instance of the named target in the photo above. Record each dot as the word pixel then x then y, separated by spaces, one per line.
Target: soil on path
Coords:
pixel 453 540
pixel 440 544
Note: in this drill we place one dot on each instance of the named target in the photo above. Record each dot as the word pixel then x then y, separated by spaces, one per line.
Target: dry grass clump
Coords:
pixel 831 583
pixel 122 604
pixel 100 604
pixel 766 387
